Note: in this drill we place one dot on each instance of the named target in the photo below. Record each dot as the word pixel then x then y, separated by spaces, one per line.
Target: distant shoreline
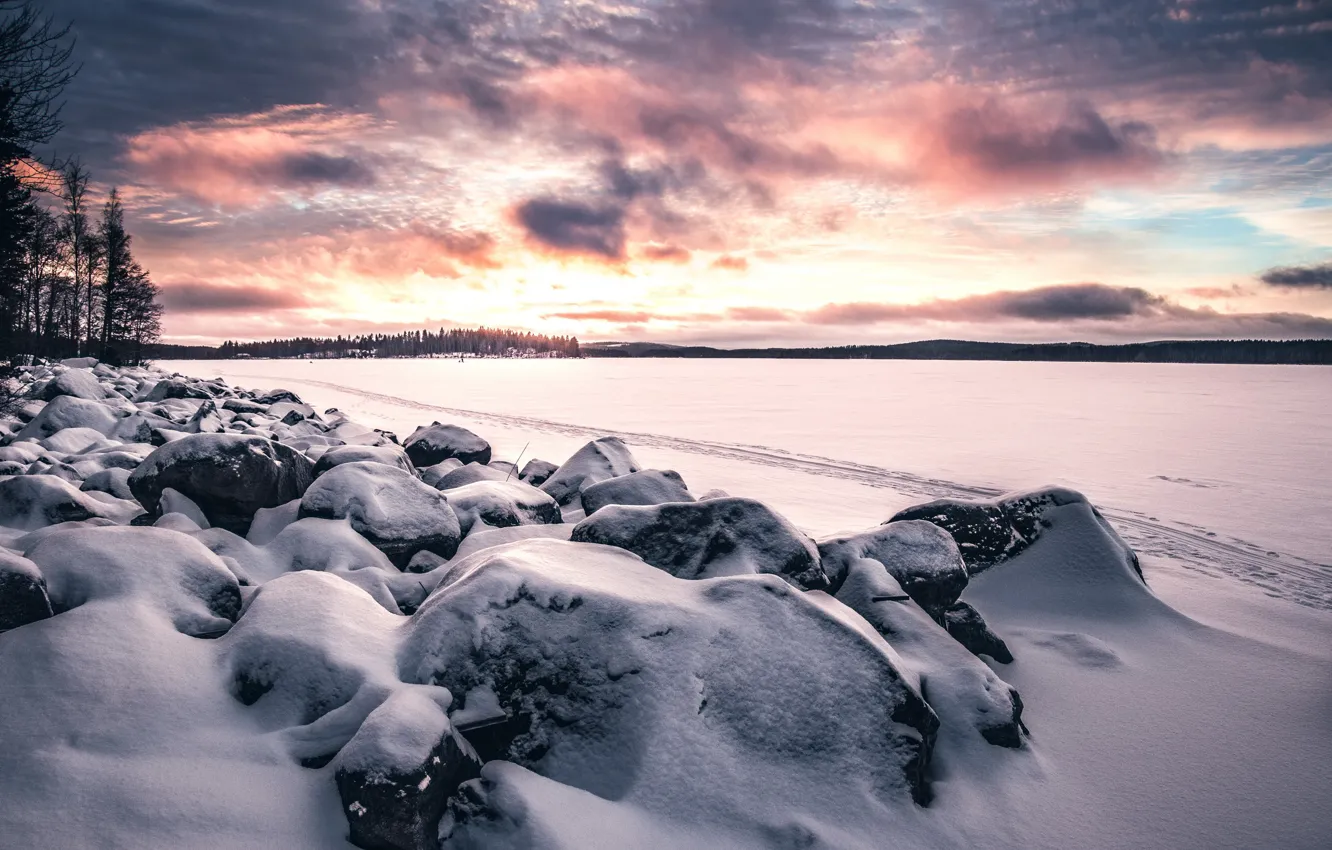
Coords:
pixel 1316 352
pixel 1308 352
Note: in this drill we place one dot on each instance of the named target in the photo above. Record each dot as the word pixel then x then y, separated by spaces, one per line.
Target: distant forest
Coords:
pixel 1246 351
pixel 480 342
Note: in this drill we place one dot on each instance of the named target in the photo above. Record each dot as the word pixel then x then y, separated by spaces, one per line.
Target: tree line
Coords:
pixel 491 342
pixel 69 283
pixel 1237 351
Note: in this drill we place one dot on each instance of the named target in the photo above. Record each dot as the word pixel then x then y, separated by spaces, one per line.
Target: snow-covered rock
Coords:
pixel 23 596
pixel 229 476
pixel 721 537
pixel 35 501
pixel 501 504
pixel 80 383
pixel 607 457
pixel 113 480
pixel 396 773
pixel 536 471
pixel 165 570
pixel 966 694
pixel 389 455
pixel 646 487
pixel 391 508
pixel 921 556
pixel 738 699
pixel 67 411
pixel 969 628
pixel 993 531
pixel 469 473
pixel 429 445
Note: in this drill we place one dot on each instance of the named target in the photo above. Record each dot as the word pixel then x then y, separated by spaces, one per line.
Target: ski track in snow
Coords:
pixel 1277 574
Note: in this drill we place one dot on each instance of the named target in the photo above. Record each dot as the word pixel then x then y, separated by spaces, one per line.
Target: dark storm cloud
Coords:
pixel 1300 277
pixel 314 168
pixel 201 297
pixel 999 142
pixel 574 227
pixel 1255 57
pixel 1062 303
pixel 148 63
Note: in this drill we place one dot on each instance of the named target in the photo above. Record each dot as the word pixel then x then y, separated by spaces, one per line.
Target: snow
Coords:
pixel 195 688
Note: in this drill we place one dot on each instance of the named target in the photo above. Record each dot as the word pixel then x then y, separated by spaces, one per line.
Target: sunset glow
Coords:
pixel 725 171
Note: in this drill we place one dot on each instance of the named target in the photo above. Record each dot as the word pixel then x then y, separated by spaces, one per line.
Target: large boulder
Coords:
pixel 647 487
pixel 396 773
pixel 67 411
pixel 391 508
pixel 592 669
pixel 23 596
pixel 502 504
pixel 921 556
pixel 467 474
pixel 162 570
pixel 175 388
pixel 536 471
pixel 387 455
pixel 80 383
pixel 719 537
pixel 989 532
pixel 607 457
pixel 35 501
pixel 429 445
pixel 229 476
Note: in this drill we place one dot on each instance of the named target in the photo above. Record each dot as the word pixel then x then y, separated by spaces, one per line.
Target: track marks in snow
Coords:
pixel 1280 575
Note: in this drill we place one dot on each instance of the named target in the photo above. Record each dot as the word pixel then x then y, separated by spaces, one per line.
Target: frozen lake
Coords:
pixel 1225 469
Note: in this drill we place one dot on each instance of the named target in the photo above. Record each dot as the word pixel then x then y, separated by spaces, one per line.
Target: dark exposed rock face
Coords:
pixel 393 800
pixel 646 487
pixel 991 532
pixel 275 396
pixel 535 471
pixel 243 405
pixel 921 556
pixel 23 596
pixel 430 445
pixel 229 476
pixel 707 539
pixel 391 508
pixel 176 388
pixel 968 628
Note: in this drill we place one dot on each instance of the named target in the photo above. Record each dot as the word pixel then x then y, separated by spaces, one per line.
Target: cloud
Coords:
pixel 631 317
pixel 666 254
pixel 1300 277
pixel 202 297
pixel 731 262
pixel 573 227
pixel 245 160
pixel 1062 303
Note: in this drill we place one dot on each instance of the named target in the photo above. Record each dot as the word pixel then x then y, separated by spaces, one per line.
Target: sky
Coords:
pixel 726 172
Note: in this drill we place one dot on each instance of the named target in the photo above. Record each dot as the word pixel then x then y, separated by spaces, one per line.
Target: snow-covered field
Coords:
pixel 1223 469
pixel 235 622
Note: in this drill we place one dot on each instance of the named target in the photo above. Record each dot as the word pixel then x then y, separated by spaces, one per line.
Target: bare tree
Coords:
pixel 36 63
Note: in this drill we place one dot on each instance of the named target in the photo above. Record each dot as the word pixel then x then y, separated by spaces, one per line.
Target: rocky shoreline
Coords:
pixel 431 634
